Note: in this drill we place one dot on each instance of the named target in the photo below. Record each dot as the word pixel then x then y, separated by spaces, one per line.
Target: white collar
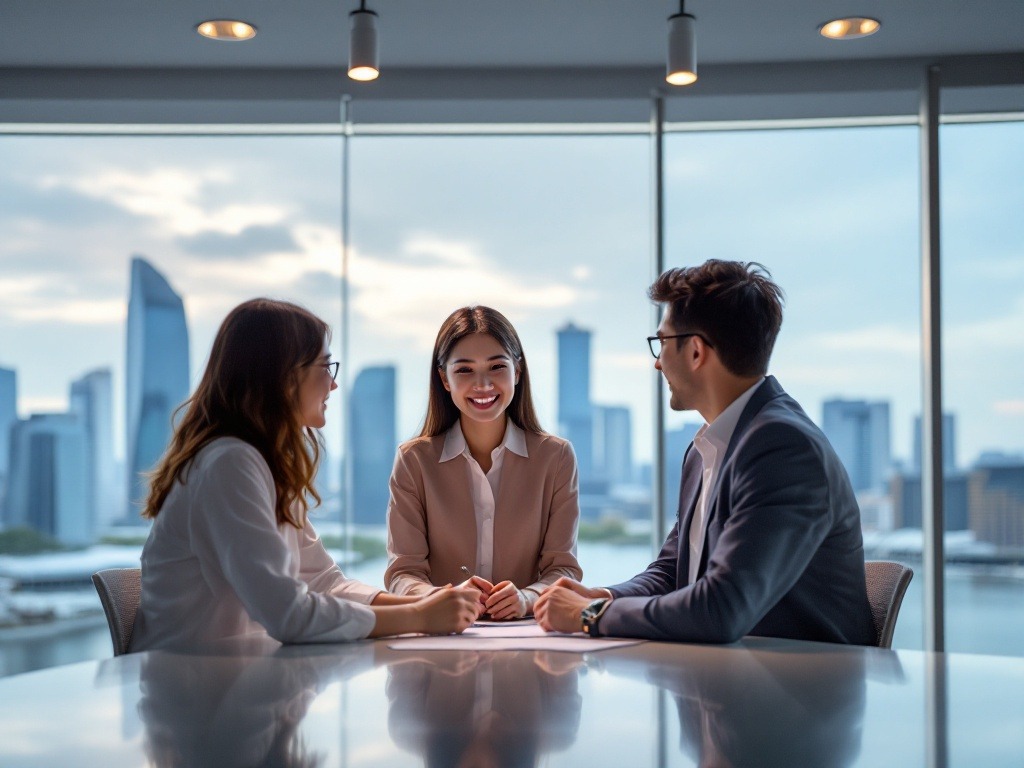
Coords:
pixel 719 432
pixel 455 442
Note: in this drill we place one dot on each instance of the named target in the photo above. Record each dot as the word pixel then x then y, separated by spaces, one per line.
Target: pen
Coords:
pixel 466 571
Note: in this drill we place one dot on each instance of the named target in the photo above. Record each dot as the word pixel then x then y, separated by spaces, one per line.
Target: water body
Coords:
pixel 984 614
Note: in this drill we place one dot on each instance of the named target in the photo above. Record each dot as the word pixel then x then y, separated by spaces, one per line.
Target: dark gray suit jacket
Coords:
pixel 783 555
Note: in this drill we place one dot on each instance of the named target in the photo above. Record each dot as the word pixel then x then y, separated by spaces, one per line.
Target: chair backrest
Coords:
pixel 887 583
pixel 119 590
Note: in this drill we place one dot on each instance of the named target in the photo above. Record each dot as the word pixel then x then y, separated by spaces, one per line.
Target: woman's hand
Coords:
pixel 482 586
pixel 506 601
pixel 448 610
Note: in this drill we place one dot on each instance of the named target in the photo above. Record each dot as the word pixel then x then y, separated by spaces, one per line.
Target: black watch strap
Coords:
pixel 591 615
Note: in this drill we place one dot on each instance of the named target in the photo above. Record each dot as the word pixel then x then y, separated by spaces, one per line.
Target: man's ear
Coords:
pixel 444 379
pixel 699 356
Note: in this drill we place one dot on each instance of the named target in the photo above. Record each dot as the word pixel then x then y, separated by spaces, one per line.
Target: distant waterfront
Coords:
pixel 984 612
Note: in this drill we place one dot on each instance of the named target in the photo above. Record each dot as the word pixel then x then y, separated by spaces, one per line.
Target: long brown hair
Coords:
pixel 249 391
pixel 442 412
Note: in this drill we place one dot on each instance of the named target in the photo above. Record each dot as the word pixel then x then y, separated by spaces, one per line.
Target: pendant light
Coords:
pixel 362 44
pixel 682 48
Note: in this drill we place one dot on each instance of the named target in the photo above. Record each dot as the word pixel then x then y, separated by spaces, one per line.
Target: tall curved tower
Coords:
pixel 156 372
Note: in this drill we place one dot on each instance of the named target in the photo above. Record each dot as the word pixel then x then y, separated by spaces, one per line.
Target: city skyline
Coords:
pixel 60 462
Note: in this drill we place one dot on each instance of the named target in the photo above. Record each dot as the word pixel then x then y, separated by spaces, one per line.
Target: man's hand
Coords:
pixel 560 608
pixel 592 592
pixel 506 602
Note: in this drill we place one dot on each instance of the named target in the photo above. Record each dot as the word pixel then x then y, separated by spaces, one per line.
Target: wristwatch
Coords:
pixel 592 614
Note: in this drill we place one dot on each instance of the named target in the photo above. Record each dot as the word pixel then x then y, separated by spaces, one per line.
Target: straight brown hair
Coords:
pixel 442 412
pixel 249 390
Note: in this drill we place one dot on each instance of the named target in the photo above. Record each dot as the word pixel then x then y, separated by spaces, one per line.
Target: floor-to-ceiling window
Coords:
pixel 983 385
pixel 212 220
pixel 833 214
pixel 553 231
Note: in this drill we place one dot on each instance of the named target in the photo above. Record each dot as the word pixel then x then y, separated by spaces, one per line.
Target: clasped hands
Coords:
pixel 501 601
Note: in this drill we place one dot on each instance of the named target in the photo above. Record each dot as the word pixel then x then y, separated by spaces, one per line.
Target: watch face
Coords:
pixel 591 613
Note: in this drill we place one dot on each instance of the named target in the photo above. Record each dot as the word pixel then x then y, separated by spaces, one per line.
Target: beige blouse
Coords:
pixel 432 521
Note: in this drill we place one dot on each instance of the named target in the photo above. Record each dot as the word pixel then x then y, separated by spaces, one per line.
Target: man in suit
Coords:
pixel 767 539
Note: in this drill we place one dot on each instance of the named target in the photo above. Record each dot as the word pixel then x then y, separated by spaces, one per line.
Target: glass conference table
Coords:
pixel 760 702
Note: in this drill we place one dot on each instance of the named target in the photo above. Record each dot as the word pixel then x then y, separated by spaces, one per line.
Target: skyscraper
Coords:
pixel 948 443
pixel 907 504
pixel 859 432
pixel 49 478
pixel 8 418
pixel 997 504
pixel 613 443
pixel 676 443
pixel 156 371
pixel 92 401
pixel 373 442
pixel 575 412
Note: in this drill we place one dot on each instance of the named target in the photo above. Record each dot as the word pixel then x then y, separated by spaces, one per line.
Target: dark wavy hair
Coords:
pixel 734 304
pixel 249 391
pixel 442 412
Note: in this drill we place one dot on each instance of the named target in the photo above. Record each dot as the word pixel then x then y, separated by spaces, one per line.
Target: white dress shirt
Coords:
pixel 484 487
pixel 218 565
pixel 711 442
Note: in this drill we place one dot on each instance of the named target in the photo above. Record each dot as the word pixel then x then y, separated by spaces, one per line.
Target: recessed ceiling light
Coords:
pixel 226 29
pixel 849 28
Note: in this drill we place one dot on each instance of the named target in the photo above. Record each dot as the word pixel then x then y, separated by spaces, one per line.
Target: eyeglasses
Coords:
pixel 332 368
pixel 655 342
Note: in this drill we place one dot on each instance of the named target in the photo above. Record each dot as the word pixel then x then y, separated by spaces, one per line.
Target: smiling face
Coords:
pixel 315 386
pixel 481 377
pixel 676 362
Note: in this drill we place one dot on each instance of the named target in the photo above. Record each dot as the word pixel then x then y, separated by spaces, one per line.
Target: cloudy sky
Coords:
pixel 546 229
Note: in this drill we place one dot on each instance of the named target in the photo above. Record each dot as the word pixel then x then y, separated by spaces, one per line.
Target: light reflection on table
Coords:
pixel 760 702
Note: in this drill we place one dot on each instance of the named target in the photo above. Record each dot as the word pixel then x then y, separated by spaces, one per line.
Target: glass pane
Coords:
pixel 552 232
pixel 983 385
pixel 833 214
pixel 218 220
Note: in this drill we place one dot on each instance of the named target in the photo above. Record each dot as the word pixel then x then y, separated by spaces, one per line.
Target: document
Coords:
pixel 507 636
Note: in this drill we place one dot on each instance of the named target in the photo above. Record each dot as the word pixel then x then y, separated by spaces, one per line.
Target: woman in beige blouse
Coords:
pixel 483 491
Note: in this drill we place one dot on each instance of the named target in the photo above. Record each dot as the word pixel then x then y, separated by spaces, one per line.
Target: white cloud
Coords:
pixel 409 296
pixel 1009 407
pixel 20 301
pixel 173 197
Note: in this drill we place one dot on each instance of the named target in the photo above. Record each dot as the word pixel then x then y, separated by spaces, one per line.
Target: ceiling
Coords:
pixel 68 59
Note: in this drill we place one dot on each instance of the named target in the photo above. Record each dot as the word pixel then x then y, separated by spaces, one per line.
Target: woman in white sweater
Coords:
pixel 232 551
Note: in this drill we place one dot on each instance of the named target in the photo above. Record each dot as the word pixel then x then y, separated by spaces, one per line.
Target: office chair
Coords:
pixel 887 583
pixel 119 590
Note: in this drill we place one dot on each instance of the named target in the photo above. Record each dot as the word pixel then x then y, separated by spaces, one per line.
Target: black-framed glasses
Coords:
pixel 332 368
pixel 655 342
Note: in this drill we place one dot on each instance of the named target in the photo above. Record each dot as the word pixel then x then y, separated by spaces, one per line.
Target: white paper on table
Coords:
pixel 510 630
pixel 522 638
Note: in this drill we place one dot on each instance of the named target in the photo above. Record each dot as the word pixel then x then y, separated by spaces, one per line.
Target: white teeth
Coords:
pixel 483 400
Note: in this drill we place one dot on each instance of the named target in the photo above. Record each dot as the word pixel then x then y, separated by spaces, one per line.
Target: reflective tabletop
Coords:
pixel 760 702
